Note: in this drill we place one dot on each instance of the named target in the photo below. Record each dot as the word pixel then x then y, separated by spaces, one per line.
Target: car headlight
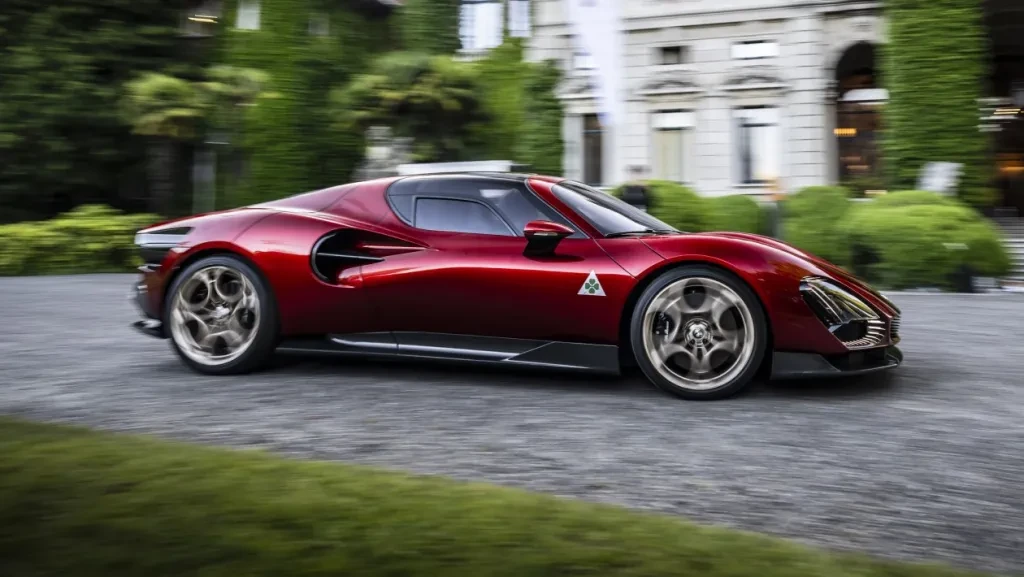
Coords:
pixel 847 317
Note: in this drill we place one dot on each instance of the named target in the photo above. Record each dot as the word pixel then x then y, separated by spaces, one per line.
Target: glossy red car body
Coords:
pixel 484 285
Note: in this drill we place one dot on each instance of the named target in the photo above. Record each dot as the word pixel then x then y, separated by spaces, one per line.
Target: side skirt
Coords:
pixel 584 357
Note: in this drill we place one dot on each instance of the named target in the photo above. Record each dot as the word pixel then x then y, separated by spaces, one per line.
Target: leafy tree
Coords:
pixel 433 99
pixel 62 64
pixel 540 144
pixel 170 110
pixel 167 110
pixel 935 71
pixel 502 76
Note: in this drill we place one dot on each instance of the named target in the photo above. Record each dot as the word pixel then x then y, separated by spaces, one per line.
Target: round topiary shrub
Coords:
pixel 812 220
pixel 924 245
pixel 736 213
pixel 676 205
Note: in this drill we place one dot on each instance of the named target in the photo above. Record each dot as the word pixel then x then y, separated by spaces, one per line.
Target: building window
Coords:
pixel 319 24
pixel 248 15
pixel 583 61
pixel 757 144
pixel 480 25
pixel 519 18
pixel 592 150
pixel 755 50
pixel 671 55
pixel 673 145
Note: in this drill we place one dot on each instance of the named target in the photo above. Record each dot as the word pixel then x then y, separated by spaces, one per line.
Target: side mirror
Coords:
pixel 542 236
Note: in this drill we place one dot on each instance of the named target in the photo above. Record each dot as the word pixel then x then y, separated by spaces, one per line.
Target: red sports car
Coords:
pixel 520 270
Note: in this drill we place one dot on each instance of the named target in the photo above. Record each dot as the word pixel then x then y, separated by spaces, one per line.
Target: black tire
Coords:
pixel 759 326
pixel 260 351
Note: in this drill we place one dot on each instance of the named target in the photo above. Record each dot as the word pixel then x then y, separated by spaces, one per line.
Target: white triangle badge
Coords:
pixel 592 286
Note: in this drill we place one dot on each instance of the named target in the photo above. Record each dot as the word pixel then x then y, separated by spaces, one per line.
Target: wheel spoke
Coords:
pixel 727 341
pixel 701 363
pixel 668 350
pixel 184 316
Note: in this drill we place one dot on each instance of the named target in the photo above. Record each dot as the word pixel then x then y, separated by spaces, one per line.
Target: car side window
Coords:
pixel 517 206
pixel 453 215
pixel 509 199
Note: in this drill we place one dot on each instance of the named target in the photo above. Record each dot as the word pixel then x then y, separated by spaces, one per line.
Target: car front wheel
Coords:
pixel 699 333
pixel 221 316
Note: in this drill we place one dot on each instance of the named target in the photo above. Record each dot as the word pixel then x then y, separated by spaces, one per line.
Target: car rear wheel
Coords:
pixel 699 333
pixel 221 316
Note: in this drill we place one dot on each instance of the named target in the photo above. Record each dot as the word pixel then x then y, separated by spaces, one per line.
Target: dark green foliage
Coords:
pixel 89 239
pixel 736 213
pixel 82 504
pixel 433 99
pixel 502 76
pixel 913 240
pixel 288 142
pixel 900 240
pixel 812 219
pixel 430 26
pixel 676 205
pixel 540 143
pixel 935 72
pixel 525 116
pixel 62 68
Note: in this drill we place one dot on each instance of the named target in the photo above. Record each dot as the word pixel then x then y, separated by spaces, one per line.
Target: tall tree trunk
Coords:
pixel 162 175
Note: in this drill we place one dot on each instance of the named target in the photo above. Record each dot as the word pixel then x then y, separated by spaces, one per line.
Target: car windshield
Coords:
pixel 609 215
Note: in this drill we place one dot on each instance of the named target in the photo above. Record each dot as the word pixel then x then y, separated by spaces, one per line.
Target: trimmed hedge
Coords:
pixel 89 239
pixel 911 239
pixel 86 504
pixel 688 211
pixel 675 205
pixel 900 240
pixel 737 213
pixel 812 219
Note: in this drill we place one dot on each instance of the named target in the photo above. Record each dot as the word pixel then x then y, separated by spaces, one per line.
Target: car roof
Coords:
pixel 513 176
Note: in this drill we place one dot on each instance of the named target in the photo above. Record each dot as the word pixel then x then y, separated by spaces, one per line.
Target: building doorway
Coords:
pixel 859 104
pixel 1005 22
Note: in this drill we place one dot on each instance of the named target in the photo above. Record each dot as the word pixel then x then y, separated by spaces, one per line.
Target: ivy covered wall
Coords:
pixel 430 26
pixel 290 143
pixel 934 67
pixel 289 147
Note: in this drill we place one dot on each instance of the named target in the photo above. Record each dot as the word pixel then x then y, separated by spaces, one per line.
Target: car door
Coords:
pixel 474 278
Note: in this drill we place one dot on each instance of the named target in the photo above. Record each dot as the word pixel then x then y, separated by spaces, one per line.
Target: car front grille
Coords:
pixel 874 336
pixel 894 328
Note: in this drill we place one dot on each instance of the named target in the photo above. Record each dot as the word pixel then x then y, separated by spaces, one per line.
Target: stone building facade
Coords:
pixel 726 96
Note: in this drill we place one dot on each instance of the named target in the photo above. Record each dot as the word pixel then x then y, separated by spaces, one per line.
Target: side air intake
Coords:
pixel 337 251
pixel 347 248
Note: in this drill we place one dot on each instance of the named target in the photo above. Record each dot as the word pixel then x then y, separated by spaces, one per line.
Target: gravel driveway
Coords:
pixel 924 463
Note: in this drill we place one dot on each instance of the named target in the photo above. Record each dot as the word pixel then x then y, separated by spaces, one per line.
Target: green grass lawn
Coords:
pixel 79 503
